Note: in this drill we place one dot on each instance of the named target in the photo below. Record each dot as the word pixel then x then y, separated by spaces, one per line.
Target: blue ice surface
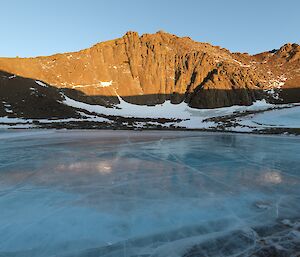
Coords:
pixel 127 193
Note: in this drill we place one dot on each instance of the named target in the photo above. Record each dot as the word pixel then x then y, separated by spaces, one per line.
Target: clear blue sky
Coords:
pixel 43 27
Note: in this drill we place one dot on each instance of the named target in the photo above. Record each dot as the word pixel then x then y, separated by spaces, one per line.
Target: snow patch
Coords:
pixel 241 64
pixel 275 85
pixel 191 118
pixel 7 107
pixel 106 83
pixel 6 119
pixel 99 84
pixel 41 83
pixel 284 118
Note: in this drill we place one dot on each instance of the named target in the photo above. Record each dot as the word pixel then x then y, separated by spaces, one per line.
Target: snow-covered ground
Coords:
pixel 29 123
pixel 283 118
pixel 42 84
pixel 192 118
pixel 121 193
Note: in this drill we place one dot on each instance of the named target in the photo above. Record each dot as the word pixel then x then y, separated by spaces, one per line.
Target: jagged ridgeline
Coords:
pixel 152 68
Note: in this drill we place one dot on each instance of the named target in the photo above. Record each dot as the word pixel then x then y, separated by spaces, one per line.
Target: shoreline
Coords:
pixel 271 131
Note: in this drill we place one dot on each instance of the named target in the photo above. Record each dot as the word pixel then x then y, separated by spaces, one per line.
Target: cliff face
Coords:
pixel 154 67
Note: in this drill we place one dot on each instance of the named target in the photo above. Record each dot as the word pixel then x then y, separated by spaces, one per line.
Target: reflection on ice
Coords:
pixel 148 194
pixel 100 166
pixel 272 177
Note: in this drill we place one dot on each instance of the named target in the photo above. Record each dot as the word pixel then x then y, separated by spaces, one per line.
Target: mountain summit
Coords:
pixel 151 68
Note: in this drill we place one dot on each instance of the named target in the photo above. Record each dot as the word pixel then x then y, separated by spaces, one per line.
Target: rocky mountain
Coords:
pixel 164 65
pixel 148 70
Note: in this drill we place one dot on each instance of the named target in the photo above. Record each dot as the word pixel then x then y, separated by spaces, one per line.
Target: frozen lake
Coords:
pixel 122 193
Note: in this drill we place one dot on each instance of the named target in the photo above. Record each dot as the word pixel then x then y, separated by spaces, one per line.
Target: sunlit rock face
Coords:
pixel 162 66
pixel 148 194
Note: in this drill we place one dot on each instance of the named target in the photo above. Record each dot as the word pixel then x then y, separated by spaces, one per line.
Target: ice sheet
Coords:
pixel 288 118
pixel 109 193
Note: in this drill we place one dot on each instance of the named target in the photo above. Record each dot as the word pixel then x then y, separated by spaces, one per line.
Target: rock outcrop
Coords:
pixel 29 99
pixel 152 68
